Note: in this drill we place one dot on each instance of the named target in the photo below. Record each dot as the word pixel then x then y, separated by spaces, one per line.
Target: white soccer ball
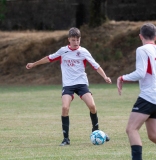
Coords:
pixel 98 137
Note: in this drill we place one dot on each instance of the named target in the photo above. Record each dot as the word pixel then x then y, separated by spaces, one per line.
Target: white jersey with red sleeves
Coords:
pixel 73 64
pixel 145 72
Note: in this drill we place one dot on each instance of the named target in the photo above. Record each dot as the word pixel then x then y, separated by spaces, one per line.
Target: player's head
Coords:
pixel 74 37
pixel 148 31
pixel 74 32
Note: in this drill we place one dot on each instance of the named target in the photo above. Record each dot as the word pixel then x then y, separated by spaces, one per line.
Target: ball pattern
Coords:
pixel 98 137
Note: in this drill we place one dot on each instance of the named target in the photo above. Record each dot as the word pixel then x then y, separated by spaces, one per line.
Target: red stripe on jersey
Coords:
pixel 85 61
pixel 149 68
pixel 55 59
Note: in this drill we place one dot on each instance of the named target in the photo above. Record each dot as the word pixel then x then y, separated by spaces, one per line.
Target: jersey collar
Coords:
pixel 72 49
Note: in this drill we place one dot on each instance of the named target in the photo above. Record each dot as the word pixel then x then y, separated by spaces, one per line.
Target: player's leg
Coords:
pixel 135 121
pixel 84 93
pixel 151 129
pixel 66 100
pixel 88 99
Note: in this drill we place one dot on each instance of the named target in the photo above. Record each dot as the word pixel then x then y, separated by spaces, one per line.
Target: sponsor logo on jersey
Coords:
pixel 71 62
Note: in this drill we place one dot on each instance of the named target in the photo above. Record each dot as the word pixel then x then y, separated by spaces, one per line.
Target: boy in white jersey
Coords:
pixel 73 59
pixel 144 110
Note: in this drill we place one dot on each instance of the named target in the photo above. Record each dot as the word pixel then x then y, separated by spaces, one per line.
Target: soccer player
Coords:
pixel 144 110
pixel 73 60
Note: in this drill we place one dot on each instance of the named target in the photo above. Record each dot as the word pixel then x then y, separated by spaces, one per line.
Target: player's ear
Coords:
pixel 69 40
pixel 141 37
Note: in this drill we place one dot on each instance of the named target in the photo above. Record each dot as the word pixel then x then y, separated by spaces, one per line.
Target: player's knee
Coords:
pixel 152 137
pixel 128 130
pixel 92 108
pixel 65 109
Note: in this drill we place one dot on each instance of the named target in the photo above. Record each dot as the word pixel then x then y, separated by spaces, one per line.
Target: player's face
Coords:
pixel 74 42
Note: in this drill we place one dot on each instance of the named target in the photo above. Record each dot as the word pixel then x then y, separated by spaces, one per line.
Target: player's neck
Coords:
pixel 148 42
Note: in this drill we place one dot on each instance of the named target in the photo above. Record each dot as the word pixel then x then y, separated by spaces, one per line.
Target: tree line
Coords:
pixel 96 17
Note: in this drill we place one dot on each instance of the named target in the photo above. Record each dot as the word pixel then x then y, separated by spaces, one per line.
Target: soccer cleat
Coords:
pixel 66 141
pixel 107 138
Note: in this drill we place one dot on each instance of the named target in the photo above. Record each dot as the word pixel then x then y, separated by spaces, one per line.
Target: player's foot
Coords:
pixel 94 129
pixel 66 141
pixel 107 138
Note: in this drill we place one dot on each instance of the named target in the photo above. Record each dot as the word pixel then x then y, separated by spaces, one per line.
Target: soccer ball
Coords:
pixel 98 137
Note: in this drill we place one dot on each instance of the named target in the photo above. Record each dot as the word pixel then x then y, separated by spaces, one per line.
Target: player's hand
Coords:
pixel 119 85
pixel 30 65
pixel 108 80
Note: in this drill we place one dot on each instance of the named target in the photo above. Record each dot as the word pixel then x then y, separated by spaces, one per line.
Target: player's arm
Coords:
pixel 139 73
pixel 96 66
pixel 39 62
pixel 119 84
pixel 102 73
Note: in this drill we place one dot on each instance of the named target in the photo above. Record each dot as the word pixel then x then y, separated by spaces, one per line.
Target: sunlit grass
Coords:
pixel 30 127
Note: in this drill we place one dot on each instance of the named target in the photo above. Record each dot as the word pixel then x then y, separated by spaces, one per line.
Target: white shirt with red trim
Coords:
pixel 145 72
pixel 73 64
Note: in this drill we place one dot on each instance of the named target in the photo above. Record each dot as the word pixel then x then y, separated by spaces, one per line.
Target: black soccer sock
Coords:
pixel 65 126
pixel 94 120
pixel 136 152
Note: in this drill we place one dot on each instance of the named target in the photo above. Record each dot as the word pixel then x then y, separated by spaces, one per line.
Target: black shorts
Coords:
pixel 79 89
pixel 145 107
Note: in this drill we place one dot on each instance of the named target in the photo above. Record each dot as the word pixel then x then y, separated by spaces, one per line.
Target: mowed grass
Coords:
pixel 30 124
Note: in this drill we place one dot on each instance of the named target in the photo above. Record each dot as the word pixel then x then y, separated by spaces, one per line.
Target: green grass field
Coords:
pixel 30 124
